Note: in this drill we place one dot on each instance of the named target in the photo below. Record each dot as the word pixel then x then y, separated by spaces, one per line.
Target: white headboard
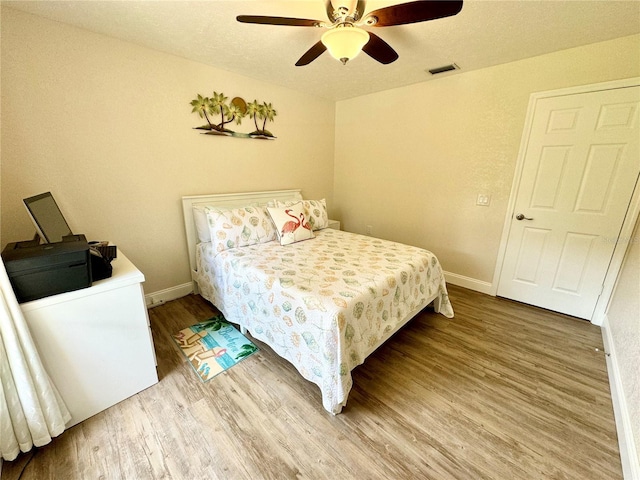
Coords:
pixel 226 200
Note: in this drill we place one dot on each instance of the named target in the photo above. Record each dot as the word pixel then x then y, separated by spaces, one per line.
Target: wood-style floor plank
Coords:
pixel 502 391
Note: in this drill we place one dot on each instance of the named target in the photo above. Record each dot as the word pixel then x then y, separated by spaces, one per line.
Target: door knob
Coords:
pixel 522 217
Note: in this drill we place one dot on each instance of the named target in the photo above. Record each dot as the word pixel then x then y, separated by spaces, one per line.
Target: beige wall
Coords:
pixel 411 161
pixel 624 324
pixel 107 127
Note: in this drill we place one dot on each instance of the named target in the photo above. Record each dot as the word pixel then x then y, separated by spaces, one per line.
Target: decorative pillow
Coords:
pixel 239 227
pixel 291 223
pixel 315 211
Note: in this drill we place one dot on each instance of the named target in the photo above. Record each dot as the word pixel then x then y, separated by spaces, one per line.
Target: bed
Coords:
pixel 324 303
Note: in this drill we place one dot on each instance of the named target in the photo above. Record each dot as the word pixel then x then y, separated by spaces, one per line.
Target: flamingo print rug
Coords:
pixel 213 346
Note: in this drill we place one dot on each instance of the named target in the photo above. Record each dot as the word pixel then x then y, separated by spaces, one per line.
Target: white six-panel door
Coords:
pixel 580 168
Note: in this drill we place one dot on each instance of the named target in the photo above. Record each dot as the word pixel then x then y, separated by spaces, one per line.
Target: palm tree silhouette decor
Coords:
pixel 264 112
pixel 234 111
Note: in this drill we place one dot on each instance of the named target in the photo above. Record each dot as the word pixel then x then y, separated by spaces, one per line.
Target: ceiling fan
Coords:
pixel 345 36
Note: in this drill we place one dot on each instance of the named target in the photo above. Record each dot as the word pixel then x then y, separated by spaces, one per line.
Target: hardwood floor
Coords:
pixel 502 391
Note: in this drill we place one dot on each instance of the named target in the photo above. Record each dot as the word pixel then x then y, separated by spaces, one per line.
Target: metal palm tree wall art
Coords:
pixel 233 112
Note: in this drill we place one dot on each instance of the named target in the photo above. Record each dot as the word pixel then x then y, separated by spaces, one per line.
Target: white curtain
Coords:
pixel 31 409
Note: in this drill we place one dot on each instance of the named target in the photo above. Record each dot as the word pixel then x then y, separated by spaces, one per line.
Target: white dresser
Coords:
pixel 96 343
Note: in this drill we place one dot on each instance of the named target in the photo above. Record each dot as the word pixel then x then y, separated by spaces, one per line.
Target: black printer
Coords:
pixel 64 262
pixel 38 270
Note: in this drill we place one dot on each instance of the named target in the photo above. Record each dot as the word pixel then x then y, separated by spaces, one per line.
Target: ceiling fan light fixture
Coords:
pixel 345 42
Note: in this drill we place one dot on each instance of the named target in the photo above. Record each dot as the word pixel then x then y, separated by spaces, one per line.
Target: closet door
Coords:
pixel 581 166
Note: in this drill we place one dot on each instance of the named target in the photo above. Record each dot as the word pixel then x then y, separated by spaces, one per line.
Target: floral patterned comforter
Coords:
pixel 324 303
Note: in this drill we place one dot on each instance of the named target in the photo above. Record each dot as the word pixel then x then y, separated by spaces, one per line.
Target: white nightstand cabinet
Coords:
pixel 96 343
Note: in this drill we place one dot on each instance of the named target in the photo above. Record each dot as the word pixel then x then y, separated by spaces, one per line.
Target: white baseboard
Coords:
pixel 598 319
pixel 467 282
pixel 161 296
pixel 626 442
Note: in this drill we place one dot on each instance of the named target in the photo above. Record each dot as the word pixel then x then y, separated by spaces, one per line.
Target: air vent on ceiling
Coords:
pixel 444 68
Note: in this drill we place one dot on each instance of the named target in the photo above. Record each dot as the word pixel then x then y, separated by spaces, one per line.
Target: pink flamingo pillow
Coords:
pixel 291 224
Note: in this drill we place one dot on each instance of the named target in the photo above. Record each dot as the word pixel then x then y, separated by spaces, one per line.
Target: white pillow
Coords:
pixel 239 227
pixel 290 222
pixel 315 212
pixel 202 224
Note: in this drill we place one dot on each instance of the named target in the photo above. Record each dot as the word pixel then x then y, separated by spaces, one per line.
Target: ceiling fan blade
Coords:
pixel 359 10
pixel 414 12
pixel 311 54
pixel 295 22
pixel 379 50
pixel 357 13
pixel 329 7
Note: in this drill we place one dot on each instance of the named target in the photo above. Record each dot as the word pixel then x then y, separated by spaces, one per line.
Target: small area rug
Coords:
pixel 213 346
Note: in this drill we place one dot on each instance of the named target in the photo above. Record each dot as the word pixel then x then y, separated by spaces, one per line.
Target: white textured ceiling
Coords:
pixel 484 33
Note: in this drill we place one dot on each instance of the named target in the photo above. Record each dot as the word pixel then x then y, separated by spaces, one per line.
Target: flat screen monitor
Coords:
pixel 47 217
